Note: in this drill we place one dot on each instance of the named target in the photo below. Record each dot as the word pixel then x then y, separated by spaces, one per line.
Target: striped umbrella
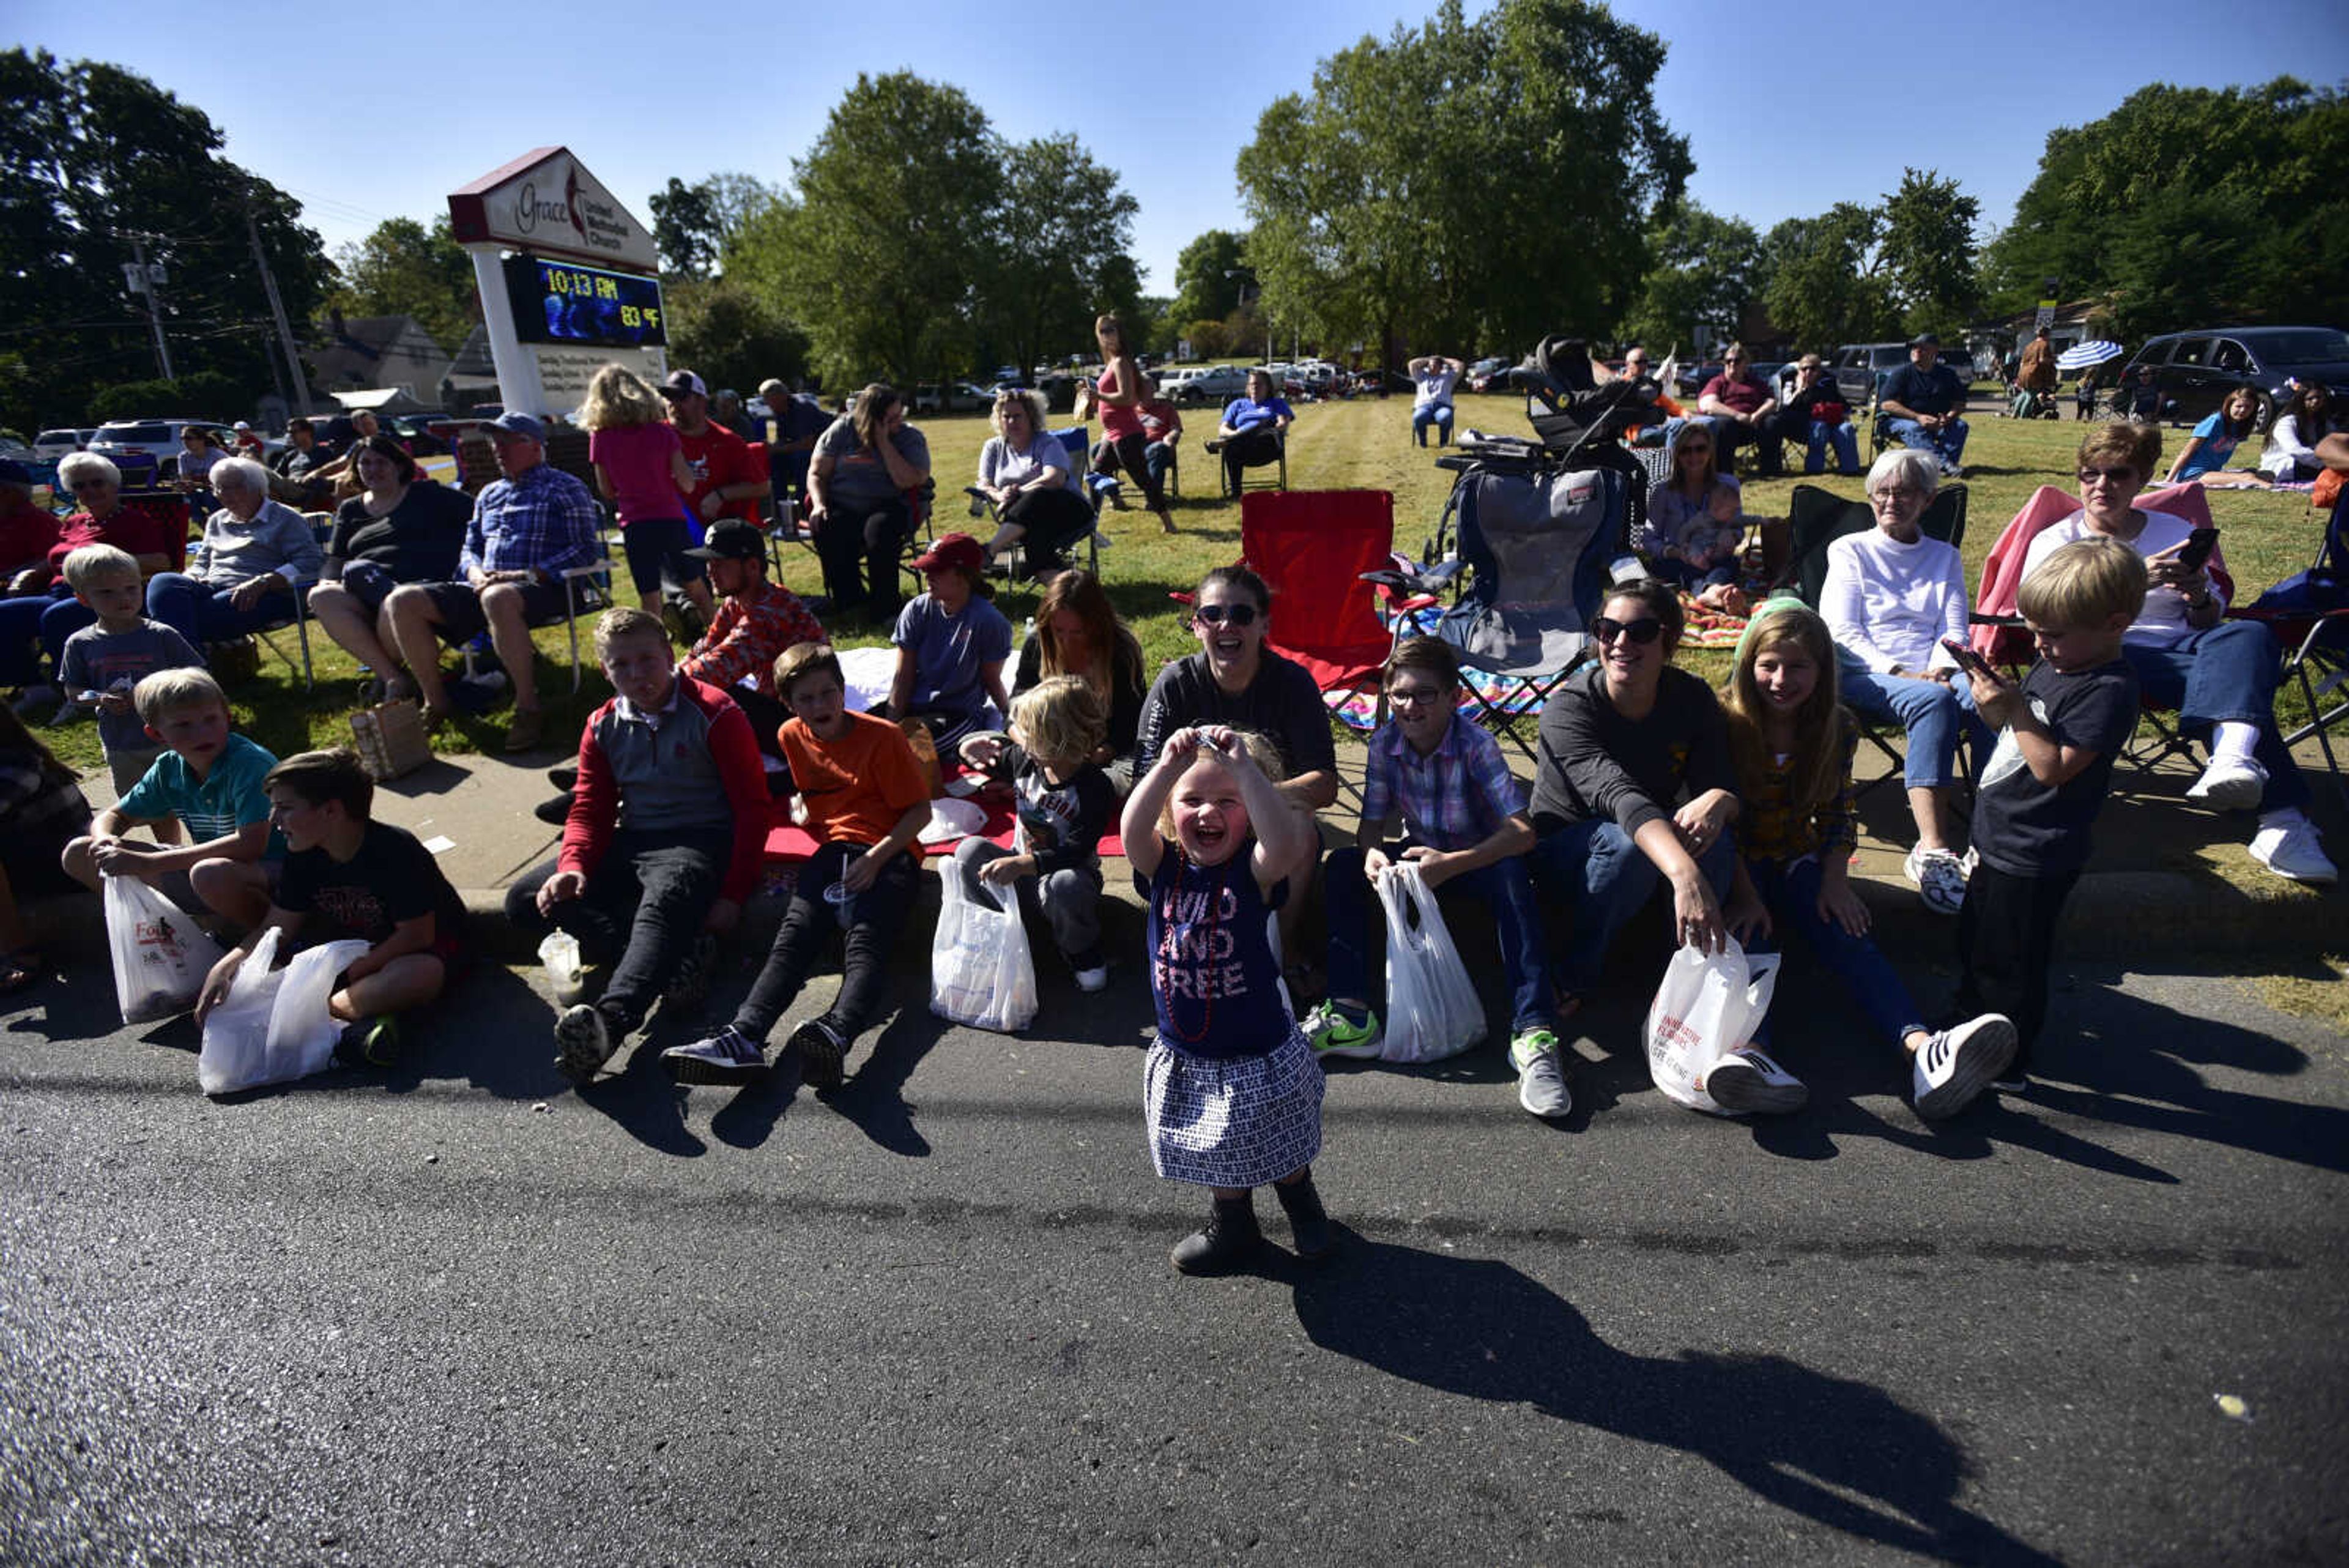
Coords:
pixel 2080 356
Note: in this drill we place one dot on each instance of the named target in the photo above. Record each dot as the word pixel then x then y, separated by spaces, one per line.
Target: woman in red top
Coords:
pixel 1119 394
pixel 37 596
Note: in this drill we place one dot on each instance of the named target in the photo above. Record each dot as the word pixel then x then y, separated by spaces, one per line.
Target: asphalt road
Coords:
pixel 470 1316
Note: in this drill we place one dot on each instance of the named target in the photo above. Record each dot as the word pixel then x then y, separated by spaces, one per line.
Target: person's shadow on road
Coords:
pixel 1834 1450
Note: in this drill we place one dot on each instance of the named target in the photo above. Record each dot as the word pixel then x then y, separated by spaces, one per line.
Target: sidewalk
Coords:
pixel 2170 880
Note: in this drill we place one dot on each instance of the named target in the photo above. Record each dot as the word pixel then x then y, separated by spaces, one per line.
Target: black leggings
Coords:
pixel 1131 450
pixel 872 531
pixel 1054 520
pixel 1249 449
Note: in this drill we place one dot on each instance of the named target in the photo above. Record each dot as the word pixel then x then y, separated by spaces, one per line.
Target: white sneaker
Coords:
pixel 2295 852
pixel 1956 1064
pixel 1939 875
pixel 583 1042
pixel 1093 978
pixel 1748 1081
pixel 1541 1077
pixel 2229 784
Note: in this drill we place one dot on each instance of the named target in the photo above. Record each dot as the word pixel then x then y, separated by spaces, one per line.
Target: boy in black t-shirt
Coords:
pixel 363 879
pixel 2040 791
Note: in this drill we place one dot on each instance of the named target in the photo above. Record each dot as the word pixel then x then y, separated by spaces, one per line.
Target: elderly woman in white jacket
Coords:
pixel 245 573
pixel 1891 594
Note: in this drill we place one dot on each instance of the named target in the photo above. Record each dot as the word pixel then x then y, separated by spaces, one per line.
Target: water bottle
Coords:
pixel 560 953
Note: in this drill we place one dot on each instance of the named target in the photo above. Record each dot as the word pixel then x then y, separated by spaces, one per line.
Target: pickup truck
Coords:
pixel 1212 384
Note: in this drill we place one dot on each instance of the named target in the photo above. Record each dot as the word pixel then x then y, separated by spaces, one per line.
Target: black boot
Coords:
pixel 1308 1226
pixel 1230 1239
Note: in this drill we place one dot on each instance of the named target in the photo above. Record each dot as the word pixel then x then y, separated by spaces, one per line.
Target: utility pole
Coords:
pixel 144 282
pixel 277 309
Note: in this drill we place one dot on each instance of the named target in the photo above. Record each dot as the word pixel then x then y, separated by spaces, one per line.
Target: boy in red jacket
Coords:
pixel 667 824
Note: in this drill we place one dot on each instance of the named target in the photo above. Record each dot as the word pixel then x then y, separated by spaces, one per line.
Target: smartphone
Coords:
pixel 2196 550
pixel 1969 660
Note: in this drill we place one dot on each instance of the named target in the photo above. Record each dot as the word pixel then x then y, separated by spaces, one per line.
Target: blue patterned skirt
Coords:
pixel 1233 1122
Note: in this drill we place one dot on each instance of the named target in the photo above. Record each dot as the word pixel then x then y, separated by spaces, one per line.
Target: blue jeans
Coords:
pixel 202 614
pixel 1790 890
pixel 1437 414
pixel 1602 877
pixel 1846 447
pixel 2226 674
pixel 1356 930
pixel 51 616
pixel 1935 715
pixel 1948 443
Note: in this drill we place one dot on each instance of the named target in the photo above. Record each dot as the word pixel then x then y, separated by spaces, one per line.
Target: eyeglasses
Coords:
pixel 2089 476
pixel 1413 695
pixel 1641 632
pixel 1903 494
pixel 1216 615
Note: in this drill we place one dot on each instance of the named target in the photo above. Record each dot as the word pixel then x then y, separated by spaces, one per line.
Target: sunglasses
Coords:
pixel 1641 632
pixel 2109 475
pixel 1216 615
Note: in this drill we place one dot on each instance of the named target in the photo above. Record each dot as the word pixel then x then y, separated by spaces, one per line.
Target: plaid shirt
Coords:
pixel 744 638
pixel 1770 828
pixel 1454 797
pixel 545 520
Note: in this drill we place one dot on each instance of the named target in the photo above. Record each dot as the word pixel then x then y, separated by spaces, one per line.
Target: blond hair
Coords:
pixel 1260 751
pixel 1061 719
pixel 2084 584
pixel 625 620
pixel 618 398
pixel 95 564
pixel 173 690
pixel 2140 446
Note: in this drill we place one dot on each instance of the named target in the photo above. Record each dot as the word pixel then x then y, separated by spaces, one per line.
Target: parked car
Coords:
pixel 1490 374
pixel 51 445
pixel 1213 384
pixel 158 438
pixel 1859 369
pixel 2195 371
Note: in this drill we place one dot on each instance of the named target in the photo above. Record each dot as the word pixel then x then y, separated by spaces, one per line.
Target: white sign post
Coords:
pixel 546 204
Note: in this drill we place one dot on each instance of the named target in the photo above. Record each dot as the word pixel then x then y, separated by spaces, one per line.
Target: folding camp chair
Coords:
pixel 1317 550
pixel 2308 613
pixel 1817 518
pixel 1236 483
pixel 1078 452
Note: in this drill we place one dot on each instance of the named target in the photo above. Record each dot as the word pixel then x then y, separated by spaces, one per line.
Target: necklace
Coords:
pixel 1207 949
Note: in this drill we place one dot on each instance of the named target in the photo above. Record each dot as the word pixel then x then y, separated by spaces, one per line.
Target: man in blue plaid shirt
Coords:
pixel 1465 825
pixel 528 528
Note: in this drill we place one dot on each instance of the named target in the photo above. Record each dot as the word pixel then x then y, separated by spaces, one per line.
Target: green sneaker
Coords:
pixel 1541 1073
pixel 1331 1033
pixel 369 1043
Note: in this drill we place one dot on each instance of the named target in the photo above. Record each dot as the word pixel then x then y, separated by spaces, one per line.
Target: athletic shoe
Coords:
pixel 555 811
pixel 1957 1064
pixel 690 983
pixel 1541 1076
pixel 822 1050
pixel 565 778
pixel 583 1042
pixel 2229 784
pixel 1939 875
pixel 1748 1081
pixel 1095 978
pixel 2014 1085
pixel 2293 850
pixel 369 1043
pixel 1331 1033
pixel 726 1057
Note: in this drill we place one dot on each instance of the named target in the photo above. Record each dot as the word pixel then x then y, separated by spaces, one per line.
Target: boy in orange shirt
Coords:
pixel 867 802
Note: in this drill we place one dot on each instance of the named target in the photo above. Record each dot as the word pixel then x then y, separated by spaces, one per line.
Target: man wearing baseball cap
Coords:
pixel 730 480
pixel 248 444
pixel 1924 404
pixel 756 620
pixel 529 527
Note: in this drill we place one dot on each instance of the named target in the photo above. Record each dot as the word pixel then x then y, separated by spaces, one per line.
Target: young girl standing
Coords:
pixel 1791 744
pixel 1232 1093
pixel 640 469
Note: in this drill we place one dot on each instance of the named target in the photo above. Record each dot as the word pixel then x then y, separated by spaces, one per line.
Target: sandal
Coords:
pixel 21 968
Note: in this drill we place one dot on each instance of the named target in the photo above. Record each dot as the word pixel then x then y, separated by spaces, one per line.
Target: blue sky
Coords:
pixel 399 105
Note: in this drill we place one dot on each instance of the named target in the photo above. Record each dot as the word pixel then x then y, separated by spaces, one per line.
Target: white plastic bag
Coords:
pixel 1706 1008
pixel 274 1024
pixel 1433 1008
pixel 161 955
pixel 980 973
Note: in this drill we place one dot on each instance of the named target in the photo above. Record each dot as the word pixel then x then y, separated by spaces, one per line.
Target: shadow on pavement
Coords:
pixel 874 1097
pixel 1841 1453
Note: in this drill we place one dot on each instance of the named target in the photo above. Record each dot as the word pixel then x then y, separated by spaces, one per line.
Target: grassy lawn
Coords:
pixel 1361 444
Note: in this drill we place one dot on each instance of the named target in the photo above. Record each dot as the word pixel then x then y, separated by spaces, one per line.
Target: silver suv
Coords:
pixel 1215 384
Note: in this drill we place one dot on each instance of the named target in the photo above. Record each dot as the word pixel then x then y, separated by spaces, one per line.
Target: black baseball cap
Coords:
pixel 733 539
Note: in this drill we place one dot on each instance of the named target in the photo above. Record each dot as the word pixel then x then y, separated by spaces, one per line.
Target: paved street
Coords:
pixel 470 1316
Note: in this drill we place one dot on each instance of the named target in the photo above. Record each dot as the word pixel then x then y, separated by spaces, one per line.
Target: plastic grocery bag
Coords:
pixel 274 1024
pixel 980 973
pixel 1706 1008
pixel 1433 1008
pixel 161 955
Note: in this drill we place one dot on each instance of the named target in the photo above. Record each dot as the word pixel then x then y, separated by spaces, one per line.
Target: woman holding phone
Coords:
pixel 2220 675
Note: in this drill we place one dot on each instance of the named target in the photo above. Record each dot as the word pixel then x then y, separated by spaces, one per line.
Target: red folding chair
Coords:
pixel 1315 549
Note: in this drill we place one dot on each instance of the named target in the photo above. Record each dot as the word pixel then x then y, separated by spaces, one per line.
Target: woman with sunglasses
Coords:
pixel 1233 680
pixel 40 601
pixel 1634 785
pixel 2220 675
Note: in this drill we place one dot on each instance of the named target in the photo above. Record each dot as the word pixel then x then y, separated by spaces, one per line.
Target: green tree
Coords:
pixel 1927 254
pixel 1058 257
pixel 1465 184
pixel 406 269
pixel 730 333
pixel 878 259
pixel 1824 288
pixel 1210 275
pixel 90 155
pixel 1707 270
pixel 2185 204
pixel 685 228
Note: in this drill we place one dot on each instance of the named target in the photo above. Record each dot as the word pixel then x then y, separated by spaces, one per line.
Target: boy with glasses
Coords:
pixel 1465 825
